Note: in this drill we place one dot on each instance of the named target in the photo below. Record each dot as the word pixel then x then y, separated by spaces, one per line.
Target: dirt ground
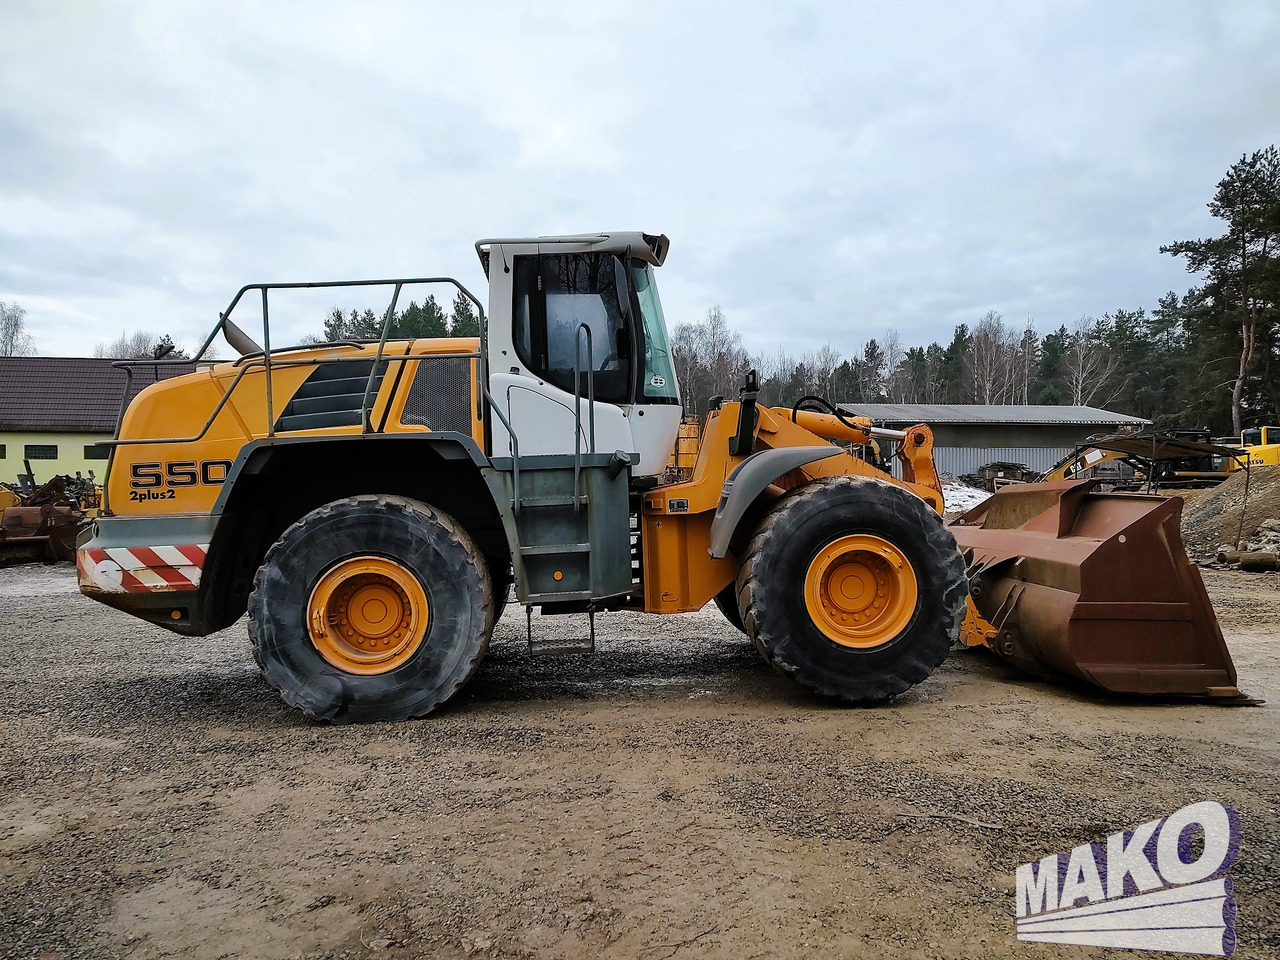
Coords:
pixel 668 797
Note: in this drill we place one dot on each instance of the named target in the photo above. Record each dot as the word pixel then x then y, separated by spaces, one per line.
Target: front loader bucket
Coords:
pixel 1098 586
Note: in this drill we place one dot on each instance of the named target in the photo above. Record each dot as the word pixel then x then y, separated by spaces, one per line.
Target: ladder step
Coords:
pixel 559 645
pixel 552 648
pixel 566 501
pixel 556 597
pixel 543 549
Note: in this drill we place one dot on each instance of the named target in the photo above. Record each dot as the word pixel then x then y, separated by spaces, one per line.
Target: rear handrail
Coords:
pixel 255 362
pixel 266 354
pixel 577 405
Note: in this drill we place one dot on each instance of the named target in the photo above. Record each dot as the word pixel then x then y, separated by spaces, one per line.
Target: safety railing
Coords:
pixel 515 450
pixel 253 356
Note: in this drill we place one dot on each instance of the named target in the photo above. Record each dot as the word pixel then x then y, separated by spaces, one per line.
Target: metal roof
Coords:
pixel 982 413
pixel 1160 447
pixel 68 394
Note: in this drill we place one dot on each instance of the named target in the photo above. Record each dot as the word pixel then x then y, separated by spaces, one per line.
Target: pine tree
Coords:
pixel 335 326
pixel 1242 268
pixel 433 319
pixel 419 322
pixel 463 322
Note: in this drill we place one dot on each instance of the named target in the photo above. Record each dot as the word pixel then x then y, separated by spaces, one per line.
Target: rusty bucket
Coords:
pixel 1066 580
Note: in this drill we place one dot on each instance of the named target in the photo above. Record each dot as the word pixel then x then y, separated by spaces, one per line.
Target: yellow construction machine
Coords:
pixel 372 504
pixel 1262 446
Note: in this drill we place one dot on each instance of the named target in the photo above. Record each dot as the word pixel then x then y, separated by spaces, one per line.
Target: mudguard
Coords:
pixel 749 480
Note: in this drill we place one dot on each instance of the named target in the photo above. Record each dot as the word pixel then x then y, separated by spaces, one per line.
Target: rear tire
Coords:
pixel 853 537
pixel 404 555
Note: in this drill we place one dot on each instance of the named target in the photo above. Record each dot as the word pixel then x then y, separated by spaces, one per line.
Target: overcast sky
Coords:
pixel 824 171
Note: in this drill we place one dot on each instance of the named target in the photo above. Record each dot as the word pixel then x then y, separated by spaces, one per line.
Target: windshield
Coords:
pixel 659 375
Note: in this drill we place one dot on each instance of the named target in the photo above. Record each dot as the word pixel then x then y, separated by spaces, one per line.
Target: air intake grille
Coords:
pixel 440 397
pixel 332 396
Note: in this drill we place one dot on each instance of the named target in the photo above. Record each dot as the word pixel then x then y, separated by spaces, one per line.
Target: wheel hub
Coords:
pixel 367 615
pixel 860 591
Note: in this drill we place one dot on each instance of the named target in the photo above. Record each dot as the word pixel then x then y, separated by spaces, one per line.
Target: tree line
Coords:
pixel 1209 357
pixel 427 320
pixel 411 323
pixel 992 362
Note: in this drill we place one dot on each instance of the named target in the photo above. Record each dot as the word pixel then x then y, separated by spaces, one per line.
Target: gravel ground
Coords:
pixel 668 797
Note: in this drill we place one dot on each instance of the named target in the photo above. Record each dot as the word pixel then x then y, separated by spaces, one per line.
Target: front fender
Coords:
pixel 749 480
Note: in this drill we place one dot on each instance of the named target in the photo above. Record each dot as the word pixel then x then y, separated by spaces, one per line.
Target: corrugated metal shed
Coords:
pixel 957 461
pixel 908 414
pixel 68 394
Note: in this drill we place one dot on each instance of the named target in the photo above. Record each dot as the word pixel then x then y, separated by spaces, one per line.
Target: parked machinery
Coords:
pixel 370 504
pixel 41 522
pixel 1262 445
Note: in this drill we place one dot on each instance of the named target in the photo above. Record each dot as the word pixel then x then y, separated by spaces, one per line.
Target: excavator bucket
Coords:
pixel 1068 581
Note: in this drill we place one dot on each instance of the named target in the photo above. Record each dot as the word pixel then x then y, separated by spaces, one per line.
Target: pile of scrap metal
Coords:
pixel 999 473
pixel 41 522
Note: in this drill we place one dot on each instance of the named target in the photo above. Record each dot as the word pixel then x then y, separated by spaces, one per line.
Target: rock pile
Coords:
pixel 1212 521
pixel 1261 552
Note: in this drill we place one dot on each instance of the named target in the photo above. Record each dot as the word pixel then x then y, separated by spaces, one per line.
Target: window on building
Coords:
pixel 96 451
pixel 40 451
pixel 3 451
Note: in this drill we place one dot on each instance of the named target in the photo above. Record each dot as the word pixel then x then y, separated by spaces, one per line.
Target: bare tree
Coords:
pixel 1088 365
pixel 988 365
pixel 820 368
pixel 141 345
pixel 14 339
pixel 896 379
pixel 709 358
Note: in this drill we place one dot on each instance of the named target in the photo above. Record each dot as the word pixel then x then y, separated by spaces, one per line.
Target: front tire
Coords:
pixel 727 603
pixel 371 608
pixel 853 588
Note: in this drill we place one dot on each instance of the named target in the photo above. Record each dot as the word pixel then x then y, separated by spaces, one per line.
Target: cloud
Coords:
pixel 824 172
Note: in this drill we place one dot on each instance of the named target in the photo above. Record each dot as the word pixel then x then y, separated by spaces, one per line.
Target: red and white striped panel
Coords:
pixel 154 569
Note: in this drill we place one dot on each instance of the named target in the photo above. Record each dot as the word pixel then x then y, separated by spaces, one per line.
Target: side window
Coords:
pixel 529 327
pixel 555 298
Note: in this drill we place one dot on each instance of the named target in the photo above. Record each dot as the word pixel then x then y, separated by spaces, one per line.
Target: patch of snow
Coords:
pixel 961 497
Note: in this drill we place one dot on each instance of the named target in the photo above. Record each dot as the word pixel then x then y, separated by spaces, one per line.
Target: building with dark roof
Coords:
pixel 969 435
pixel 56 411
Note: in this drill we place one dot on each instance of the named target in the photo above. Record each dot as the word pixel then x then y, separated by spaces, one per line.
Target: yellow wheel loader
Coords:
pixel 372 504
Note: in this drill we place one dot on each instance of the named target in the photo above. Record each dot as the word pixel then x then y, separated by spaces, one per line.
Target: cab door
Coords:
pixel 567 334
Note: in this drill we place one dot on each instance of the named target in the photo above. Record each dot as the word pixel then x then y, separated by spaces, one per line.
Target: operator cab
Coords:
pixel 1260 436
pixel 576 317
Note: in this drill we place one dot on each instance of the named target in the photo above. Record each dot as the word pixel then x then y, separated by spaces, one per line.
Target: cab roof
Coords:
pixel 650 247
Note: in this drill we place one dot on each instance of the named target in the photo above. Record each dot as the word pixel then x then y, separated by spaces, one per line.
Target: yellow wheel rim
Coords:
pixel 367 615
pixel 860 591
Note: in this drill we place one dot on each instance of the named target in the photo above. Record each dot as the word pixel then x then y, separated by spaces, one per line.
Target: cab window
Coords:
pixel 557 300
